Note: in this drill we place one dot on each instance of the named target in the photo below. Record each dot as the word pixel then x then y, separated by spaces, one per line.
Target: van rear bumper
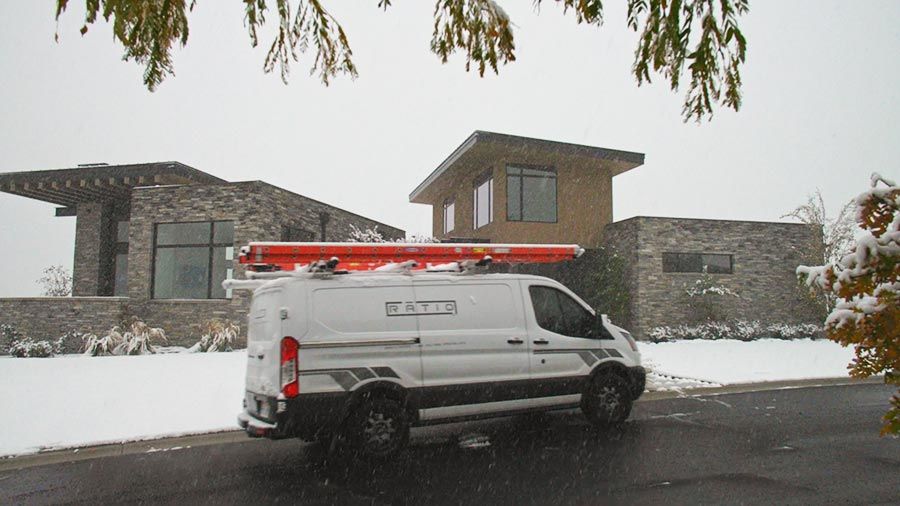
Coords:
pixel 303 416
pixel 638 377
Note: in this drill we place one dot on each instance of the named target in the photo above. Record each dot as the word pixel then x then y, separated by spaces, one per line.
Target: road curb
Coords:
pixel 743 388
pixel 166 444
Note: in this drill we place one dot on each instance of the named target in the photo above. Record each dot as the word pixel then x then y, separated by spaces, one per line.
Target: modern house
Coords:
pixel 156 240
pixel 502 188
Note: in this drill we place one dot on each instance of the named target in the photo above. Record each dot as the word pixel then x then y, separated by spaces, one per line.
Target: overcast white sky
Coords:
pixel 821 109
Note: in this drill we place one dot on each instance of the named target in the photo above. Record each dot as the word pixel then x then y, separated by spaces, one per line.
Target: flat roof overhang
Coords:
pixel 481 143
pixel 98 183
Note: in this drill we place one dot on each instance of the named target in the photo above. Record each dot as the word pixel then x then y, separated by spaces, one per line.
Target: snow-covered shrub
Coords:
pixel 137 340
pixel 365 235
pixel 27 347
pixel 742 330
pixel 8 335
pixel 705 298
pixel 217 336
pixel 373 235
pixel 68 342
pixel 96 346
pixel 866 285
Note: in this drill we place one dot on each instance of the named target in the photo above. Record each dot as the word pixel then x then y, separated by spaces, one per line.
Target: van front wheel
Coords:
pixel 378 427
pixel 606 400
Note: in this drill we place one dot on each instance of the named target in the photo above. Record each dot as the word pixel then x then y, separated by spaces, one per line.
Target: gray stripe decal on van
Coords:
pixel 348 378
pixel 589 356
pixel 385 372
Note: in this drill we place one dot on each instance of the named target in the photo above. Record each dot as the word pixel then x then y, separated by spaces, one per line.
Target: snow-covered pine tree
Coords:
pixel 866 282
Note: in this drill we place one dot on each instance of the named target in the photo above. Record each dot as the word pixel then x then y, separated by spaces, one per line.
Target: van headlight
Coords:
pixel 631 341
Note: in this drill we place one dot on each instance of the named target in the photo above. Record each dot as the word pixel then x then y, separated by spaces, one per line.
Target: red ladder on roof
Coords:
pixel 288 256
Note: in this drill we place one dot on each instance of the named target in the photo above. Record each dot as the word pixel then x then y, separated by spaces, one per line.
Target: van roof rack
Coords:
pixel 294 257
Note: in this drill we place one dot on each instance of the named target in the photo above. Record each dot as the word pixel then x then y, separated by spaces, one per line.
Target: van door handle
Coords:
pixel 542 341
pixel 514 340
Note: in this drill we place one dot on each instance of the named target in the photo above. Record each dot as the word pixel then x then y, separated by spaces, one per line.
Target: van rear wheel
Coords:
pixel 607 400
pixel 378 427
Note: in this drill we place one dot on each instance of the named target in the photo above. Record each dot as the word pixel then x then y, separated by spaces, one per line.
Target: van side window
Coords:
pixel 557 312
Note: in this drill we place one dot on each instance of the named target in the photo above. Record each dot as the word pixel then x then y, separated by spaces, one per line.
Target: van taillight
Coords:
pixel 290 385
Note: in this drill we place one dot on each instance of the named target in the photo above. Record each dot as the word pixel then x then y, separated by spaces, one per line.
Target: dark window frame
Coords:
pixel 671 267
pixel 486 177
pixel 211 245
pixel 543 168
pixel 446 205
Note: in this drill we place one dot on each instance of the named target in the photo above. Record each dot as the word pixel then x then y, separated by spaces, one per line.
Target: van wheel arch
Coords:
pixel 609 367
pixel 383 389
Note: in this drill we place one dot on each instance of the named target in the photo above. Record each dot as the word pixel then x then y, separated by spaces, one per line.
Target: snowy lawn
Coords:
pixel 729 361
pixel 76 401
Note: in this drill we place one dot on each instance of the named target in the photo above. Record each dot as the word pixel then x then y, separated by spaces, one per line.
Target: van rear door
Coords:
pixel 263 342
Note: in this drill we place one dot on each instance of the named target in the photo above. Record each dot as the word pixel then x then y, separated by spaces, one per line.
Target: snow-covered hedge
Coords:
pixel 22 346
pixel 29 348
pixel 740 329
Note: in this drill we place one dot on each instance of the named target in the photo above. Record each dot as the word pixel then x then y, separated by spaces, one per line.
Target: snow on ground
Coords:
pixel 75 400
pixel 729 361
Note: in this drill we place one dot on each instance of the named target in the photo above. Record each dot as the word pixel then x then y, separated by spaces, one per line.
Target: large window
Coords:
pixel 484 201
pixel 449 218
pixel 120 288
pixel 192 259
pixel 557 312
pixel 712 263
pixel 530 194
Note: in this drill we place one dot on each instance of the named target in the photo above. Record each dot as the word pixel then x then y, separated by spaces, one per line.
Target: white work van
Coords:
pixel 368 355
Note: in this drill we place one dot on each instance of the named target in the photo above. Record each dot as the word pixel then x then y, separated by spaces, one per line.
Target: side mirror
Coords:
pixel 600 330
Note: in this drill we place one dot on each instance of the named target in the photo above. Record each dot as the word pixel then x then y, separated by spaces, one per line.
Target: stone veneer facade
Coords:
pixel 259 212
pixel 765 256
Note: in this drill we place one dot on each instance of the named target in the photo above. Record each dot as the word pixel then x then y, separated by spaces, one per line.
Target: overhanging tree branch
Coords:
pixel 702 35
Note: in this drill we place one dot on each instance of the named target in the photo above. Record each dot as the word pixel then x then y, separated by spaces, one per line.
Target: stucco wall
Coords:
pixel 584 198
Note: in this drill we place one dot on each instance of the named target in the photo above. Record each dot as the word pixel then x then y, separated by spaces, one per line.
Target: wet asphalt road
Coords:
pixel 803 446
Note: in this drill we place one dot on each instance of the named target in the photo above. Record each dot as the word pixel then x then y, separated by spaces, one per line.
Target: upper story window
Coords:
pixel 530 194
pixel 484 200
pixel 190 260
pixel 449 216
pixel 712 263
pixel 557 312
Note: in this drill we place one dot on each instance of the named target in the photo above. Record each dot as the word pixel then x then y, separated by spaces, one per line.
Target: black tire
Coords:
pixel 607 400
pixel 378 427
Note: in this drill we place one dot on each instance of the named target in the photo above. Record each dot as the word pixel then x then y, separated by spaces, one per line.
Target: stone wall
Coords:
pixel 765 257
pixel 51 317
pixel 90 225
